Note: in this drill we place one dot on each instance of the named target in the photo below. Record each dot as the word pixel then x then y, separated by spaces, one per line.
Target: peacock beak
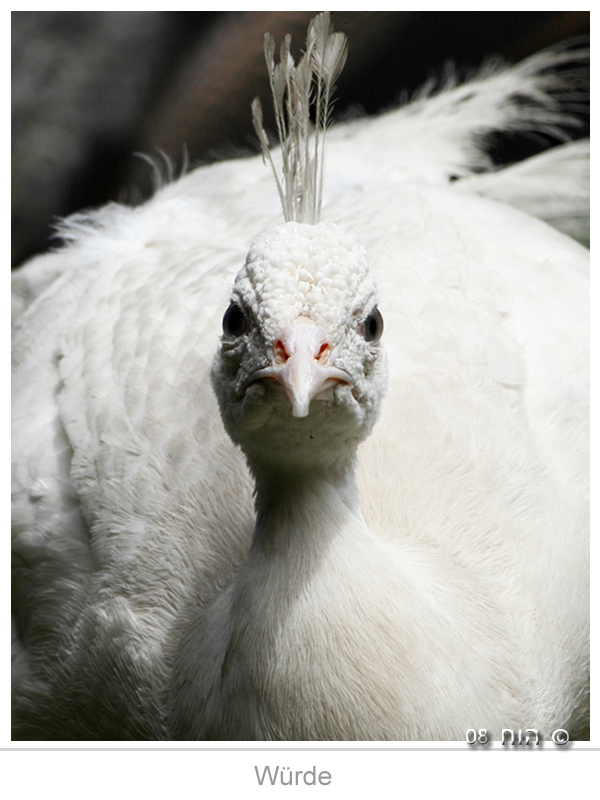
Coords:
pixel 301 365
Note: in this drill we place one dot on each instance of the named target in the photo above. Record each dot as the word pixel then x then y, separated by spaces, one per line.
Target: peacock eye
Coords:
pixel 234 321
pixel 372 327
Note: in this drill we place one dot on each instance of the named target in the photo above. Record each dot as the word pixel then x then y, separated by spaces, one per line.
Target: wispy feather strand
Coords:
pixel 295 89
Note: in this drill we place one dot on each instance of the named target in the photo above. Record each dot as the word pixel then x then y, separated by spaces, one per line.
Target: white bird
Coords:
pixel 413 565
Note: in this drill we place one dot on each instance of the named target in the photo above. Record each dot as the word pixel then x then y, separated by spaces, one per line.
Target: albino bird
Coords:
pixel 414 562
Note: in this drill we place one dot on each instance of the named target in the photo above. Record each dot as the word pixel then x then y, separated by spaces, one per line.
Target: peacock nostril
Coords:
pixel 323 354
pixel 280 354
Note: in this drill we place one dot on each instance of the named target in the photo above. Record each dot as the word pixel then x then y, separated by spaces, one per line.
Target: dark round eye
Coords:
pixel 234 321
pixel 372 327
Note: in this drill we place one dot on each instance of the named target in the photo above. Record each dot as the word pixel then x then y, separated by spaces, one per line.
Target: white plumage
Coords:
pixel 442 587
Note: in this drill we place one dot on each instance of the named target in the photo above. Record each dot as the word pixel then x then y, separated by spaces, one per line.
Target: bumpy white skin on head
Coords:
pixel 303 322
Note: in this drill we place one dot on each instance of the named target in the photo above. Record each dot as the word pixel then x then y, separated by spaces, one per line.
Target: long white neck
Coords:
pixel 299 511
pixel 327 634
pixel 235 645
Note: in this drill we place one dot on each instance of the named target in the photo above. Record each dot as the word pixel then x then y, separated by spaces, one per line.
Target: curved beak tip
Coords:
pixel 300 410
pixel 303 377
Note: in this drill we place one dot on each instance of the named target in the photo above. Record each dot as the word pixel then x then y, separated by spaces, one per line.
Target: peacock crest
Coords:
pixel 296 90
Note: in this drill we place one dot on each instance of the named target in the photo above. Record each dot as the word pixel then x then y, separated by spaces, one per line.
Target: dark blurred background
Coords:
pixel 90 88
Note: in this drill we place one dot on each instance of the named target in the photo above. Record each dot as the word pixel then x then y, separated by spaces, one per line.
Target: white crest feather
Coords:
pixel 295 90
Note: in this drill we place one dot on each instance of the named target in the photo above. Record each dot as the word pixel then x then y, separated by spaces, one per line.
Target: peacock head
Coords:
pixel 300 373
